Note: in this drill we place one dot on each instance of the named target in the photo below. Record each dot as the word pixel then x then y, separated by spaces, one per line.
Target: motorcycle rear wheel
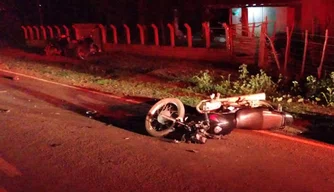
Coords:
pixel 82 52
pixel 156 123
pixel 51 50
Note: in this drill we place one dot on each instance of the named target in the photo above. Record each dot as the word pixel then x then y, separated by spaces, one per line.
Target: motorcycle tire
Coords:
pixel 50 50
pixel 81 52
pixel 154 120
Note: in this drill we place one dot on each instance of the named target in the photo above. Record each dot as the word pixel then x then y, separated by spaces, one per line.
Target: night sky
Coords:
pixel 104 11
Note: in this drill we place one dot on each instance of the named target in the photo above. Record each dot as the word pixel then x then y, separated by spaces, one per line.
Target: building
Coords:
pixel 316 16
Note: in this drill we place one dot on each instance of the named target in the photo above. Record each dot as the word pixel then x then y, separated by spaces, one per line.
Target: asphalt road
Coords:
pixel 48 143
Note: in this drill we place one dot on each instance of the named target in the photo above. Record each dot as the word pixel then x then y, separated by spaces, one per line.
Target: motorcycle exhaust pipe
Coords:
pixel 262 118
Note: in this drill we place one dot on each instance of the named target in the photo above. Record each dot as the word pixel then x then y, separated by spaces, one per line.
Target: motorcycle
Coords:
pixel 57 46
pixel 217 117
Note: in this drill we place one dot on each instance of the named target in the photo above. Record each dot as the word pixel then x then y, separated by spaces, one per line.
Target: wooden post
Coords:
pixel 319 70
pixel 287 49
pixel 228 37
pixel 25 32
pixel 141 34
pixel 274 52
pixel 114 29
pixel 274 31
pixel 127 32
pixel 262 48
pixel 156 34
pixel 172 34
pixel 189 35
pixel 304 55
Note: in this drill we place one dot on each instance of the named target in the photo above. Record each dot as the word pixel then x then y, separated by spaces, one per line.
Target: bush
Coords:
pixel 320 90
pixel 245 84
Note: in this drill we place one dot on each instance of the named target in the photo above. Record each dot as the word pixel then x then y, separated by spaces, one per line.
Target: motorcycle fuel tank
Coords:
pixel 221 124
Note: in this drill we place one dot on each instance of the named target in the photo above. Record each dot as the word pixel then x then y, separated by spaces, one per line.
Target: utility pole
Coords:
pixel 40 12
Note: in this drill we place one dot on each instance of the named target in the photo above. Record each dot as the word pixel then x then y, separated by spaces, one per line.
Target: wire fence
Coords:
pixel 304 54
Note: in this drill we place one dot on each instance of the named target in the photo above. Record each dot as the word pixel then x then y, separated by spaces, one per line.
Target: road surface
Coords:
pixel 48 143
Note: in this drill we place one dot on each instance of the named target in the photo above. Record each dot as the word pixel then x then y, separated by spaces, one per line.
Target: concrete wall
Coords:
pixel 204 54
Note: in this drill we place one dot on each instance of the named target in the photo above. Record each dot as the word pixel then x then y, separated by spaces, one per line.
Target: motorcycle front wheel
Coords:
pixel 160 119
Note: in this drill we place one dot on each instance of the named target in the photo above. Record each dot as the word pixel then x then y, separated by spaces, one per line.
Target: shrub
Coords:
pixel 245 84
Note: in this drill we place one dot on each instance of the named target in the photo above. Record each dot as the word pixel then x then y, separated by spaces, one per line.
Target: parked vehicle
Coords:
pixel 216 117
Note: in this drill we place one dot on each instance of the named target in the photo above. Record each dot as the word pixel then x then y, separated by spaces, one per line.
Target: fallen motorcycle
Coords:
pixel 217 117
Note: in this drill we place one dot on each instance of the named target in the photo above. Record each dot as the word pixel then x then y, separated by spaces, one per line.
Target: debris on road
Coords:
pixel 4 110
pixel 15 78
pixel 192 150
pixel 91 114
pixel 54 144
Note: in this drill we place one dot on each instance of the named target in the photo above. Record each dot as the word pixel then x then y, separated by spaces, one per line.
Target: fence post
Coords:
pixel 58 30
pixel 50 31
pixel 274 31
pixel 103 33
pixel 206 28
pixel 25 32
pixel 77 34
pixel 67 31
pixel 156 34
pixel 43 32
pixel 128 35
pixel 287 49
pixel 189 35
pixel 274 52
pixel 304 54
pixel 31 32
pixel 319 70
pixel 114 29
pixel 172 34
pixel 141 34
pixel 262 48
pixel 228 36
pixel 38 36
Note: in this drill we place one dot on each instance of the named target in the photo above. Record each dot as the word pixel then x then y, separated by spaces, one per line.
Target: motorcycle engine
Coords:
pixel 221 124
